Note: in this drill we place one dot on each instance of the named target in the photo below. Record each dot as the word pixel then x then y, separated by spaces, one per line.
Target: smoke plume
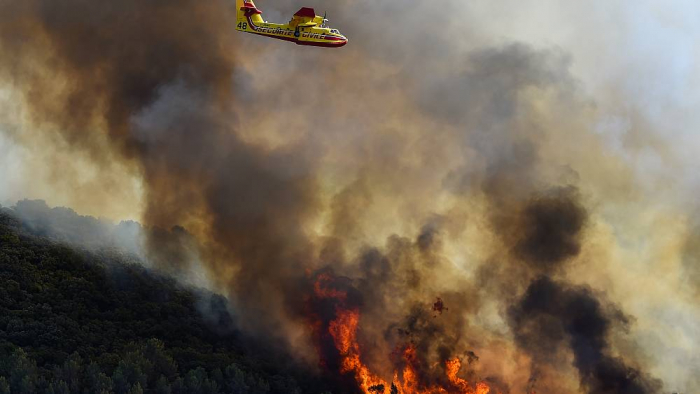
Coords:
pixel 407 214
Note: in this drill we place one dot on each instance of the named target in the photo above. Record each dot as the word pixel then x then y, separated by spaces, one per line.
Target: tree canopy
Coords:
pixel 78 320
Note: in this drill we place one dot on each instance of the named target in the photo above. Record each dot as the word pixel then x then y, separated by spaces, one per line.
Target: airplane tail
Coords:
pixel 247 12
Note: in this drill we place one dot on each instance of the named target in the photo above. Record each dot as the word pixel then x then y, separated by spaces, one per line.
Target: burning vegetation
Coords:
pixel 336 332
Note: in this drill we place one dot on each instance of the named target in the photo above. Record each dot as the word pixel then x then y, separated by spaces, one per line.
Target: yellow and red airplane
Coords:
pixel 305 28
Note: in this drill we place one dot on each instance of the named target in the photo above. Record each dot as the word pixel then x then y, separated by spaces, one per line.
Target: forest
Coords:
pixel 96 320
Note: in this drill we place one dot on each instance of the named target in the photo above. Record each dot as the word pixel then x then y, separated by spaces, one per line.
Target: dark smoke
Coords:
pixel 548 231
pixel 554 314
pixel 158 76
pixel 540 234
pixel 108 61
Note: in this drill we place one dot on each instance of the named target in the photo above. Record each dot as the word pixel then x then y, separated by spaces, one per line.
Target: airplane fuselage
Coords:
pixel 301 32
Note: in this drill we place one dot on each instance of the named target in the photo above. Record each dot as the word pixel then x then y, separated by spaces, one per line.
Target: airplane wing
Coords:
pixel 305 17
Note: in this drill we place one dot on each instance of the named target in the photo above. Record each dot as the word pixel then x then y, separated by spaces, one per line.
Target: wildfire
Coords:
pixel 452 367
pixel 410 384
pixel 343 329
pixel 322 288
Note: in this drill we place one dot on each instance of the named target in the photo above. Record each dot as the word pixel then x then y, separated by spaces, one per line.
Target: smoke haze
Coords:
pixel 517 172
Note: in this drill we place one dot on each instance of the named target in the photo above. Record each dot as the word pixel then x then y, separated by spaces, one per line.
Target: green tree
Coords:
pixel 136 389
pixel 132 369
pixel 236 380
pixel 162 386
pixel 4 386
pixel 96 382
pixel 70 372
pixel 159 362
pixel 178 386
pixel 58 387
pixel 120 382
pixel 198 382
pixel 22 372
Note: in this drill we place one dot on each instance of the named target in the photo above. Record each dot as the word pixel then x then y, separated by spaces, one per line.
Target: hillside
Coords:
pixel 78 320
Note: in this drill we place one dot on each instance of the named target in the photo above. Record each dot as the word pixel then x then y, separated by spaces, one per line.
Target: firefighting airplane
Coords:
pixel 305 28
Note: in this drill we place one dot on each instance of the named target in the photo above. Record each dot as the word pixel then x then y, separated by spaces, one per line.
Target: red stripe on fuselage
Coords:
pixel 333 38
pixel 322 44
pixel 250 22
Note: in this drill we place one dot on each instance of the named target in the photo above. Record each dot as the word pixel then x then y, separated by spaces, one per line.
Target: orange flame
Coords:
pixel 343 330
pixel 452 367
pixel 322 289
